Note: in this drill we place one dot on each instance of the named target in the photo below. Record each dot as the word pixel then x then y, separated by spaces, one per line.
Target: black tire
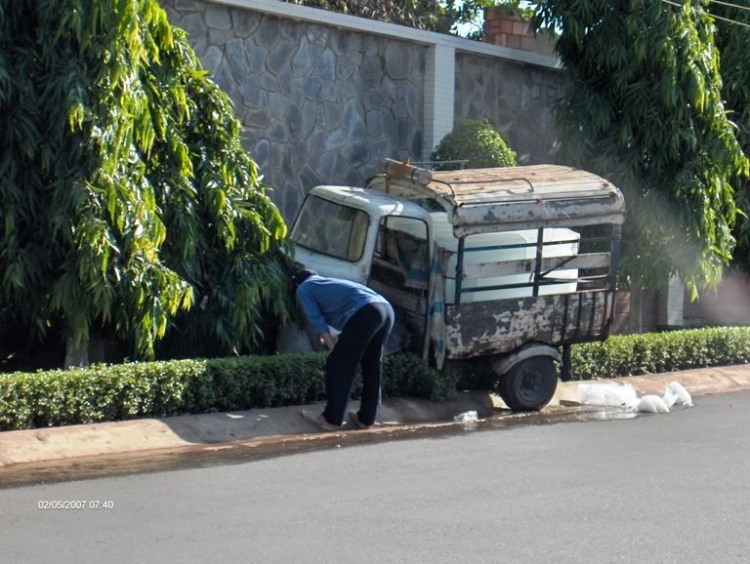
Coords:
pixel 529 385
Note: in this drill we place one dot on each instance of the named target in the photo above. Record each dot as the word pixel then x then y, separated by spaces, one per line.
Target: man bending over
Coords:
pixel 365 319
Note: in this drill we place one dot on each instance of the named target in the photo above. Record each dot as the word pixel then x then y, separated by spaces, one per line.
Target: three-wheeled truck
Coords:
pixel 504 268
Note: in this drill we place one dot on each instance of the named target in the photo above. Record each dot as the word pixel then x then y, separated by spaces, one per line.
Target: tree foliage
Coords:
pixel 733 41
pixel 476 142
pixel 642 106
pixel 432 15
pixel 126 198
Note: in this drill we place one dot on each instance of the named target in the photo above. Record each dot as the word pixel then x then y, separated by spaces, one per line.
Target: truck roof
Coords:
pixel 519 184
pixel 369 200
pixel 505 199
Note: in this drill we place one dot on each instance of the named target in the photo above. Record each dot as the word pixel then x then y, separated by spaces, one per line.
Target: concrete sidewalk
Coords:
pixel 42 445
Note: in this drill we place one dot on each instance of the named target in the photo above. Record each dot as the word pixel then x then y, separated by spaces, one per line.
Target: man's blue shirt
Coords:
pixel 331 301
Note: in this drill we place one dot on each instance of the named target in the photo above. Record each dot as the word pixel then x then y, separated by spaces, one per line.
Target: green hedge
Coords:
pixel 650 353
pixel 160 389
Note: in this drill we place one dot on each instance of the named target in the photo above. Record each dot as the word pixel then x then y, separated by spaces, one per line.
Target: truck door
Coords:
pixel 401 270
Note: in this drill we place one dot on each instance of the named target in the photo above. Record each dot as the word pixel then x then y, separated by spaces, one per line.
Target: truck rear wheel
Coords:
pixel 529 385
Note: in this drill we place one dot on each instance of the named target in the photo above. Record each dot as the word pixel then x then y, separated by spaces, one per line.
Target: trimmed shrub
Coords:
pixel 160 389
pixel 650 353
pixel 475 141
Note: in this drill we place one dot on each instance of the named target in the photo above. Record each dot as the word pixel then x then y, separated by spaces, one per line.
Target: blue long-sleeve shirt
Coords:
pixel 331 301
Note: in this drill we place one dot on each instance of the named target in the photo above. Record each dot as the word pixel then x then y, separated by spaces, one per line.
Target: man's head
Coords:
pixel 300 276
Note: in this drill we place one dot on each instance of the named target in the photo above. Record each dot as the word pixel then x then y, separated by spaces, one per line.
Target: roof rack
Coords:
pixel 398 170
pixel 526 197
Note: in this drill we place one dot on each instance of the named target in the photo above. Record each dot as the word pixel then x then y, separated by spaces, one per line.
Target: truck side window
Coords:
pixel 401 254
pixel 332 229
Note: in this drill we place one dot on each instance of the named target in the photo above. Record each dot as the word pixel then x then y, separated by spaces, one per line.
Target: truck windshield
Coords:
pixel 331 229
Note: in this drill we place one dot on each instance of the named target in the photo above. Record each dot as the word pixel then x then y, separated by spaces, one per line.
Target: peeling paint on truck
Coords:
pixel 479 329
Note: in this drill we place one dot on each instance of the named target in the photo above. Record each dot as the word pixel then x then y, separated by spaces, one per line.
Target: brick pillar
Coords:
pixel 504 28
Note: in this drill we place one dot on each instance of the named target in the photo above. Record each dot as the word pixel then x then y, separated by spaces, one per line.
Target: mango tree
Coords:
pixel 126 199
pixel 642 106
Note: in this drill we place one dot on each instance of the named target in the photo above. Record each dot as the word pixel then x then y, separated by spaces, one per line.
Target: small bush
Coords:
pixel 475 141
pixel 650 353
pixel 160 389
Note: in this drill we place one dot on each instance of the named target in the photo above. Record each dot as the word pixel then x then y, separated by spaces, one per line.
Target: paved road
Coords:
pixel 662 488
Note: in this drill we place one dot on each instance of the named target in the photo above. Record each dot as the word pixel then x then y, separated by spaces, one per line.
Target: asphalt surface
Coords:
pixel 660 488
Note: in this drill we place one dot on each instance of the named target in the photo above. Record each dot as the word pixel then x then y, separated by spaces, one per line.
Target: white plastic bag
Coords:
pixel 467 417
pixel 609 395
pixel 594 394
pixel 622 396
pixel 677 394
pixel 469 420
pixel 669 397
pixel 652 404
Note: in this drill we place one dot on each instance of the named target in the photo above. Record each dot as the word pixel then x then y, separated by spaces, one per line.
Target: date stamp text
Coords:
pixel 74 504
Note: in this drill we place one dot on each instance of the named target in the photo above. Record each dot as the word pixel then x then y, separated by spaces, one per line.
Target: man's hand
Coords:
pixel 328 340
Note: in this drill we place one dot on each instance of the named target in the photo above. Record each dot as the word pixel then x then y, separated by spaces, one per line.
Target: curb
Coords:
pixel 119 437
pixel 101 439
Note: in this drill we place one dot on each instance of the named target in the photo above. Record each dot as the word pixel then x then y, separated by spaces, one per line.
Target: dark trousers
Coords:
pixel 361 343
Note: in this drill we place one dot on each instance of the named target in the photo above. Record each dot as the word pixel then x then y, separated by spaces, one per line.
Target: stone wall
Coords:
pixel 516 99
pixel 319 105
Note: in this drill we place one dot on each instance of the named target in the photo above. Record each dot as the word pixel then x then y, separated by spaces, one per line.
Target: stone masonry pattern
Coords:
pixel 318 105
pixel 518 100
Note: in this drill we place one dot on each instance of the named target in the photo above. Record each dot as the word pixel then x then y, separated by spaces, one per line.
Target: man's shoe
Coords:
pixel 357 423
pixel 320 421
